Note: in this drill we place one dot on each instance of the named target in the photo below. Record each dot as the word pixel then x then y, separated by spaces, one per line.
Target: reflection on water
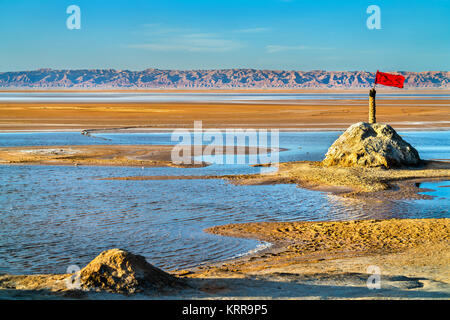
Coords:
pixel 54 216
pixel 440 191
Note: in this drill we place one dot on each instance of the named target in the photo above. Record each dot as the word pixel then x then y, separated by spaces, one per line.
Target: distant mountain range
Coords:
pixel 226 78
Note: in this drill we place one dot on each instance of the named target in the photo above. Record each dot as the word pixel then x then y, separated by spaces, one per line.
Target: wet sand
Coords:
pixel 420 114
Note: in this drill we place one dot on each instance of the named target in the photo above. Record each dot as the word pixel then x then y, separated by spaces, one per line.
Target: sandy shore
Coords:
pixel 308 260
pixel 331 259
pixel 420 114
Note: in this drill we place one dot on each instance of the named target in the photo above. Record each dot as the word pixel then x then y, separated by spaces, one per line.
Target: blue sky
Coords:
pixel 216 34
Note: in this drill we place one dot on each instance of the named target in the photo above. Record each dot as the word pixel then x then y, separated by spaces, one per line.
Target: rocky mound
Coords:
pixel 371 145
pixel 120 271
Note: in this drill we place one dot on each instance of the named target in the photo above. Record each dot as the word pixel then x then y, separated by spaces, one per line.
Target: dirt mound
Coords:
pixel 120 271
pixel 371 145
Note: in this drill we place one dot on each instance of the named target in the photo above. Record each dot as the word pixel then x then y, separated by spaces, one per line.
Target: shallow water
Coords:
pixel 55 216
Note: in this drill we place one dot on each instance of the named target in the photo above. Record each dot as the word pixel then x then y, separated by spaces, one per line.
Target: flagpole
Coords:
pixel 372 105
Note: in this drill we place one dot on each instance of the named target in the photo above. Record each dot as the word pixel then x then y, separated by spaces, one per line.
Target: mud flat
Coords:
pixel 107 155
pixel 326 114
pixel 117 155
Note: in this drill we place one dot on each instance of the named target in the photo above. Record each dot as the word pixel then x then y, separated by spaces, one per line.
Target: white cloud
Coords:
pixel 279 48
pixel 158 29
pixel 253 30
pixel 190 45
pixel 175 39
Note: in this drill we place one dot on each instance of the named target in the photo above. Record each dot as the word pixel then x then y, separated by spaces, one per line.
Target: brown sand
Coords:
pixel 370 236
pixel 293 115
pixel 412 255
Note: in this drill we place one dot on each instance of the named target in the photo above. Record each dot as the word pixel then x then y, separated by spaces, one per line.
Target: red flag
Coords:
pixel 387 79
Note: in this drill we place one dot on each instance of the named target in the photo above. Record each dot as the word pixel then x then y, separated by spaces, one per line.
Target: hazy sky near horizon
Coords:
pixel 216 34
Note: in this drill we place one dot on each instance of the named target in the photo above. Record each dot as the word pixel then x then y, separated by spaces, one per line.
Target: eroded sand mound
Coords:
pixel 371 145
pixel 120 271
